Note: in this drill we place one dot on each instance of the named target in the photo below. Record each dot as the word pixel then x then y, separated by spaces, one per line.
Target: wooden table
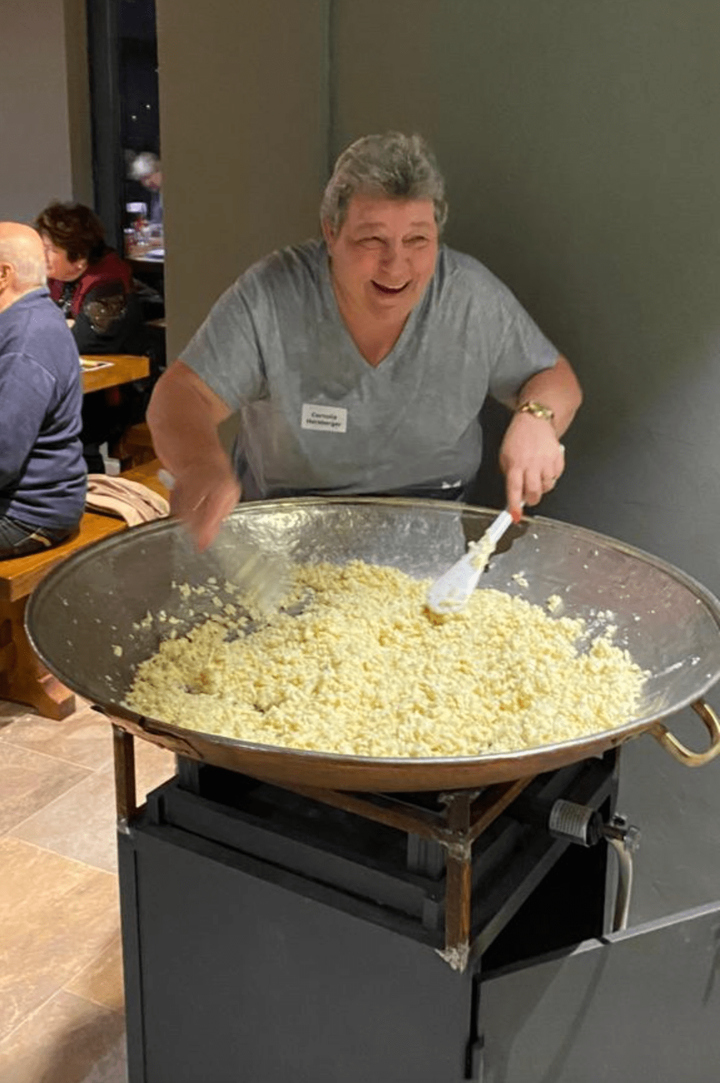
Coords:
pixel 143 260
pixel 140 250
pixel 117 368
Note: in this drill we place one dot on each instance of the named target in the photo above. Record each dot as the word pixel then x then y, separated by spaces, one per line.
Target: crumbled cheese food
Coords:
pixel 366 670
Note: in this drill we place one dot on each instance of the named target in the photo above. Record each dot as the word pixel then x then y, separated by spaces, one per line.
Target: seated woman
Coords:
pixel 94 288
pixel 90 282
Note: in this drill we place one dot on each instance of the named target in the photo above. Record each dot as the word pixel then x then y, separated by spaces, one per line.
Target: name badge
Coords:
pixel 323 418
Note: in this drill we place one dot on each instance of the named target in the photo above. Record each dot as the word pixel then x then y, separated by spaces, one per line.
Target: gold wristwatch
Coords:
pixel 536 409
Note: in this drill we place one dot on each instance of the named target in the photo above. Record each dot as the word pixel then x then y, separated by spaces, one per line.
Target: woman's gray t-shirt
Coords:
pixel 316 417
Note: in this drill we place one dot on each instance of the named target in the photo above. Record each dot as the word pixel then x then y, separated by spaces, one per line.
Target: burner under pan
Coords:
pixel 435 937
pixel 450 870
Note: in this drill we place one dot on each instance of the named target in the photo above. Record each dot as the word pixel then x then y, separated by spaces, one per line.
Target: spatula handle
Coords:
pixel 498 526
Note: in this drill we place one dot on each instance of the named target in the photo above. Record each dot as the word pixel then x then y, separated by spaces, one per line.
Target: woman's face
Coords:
pixel 383 256
pixel 58 264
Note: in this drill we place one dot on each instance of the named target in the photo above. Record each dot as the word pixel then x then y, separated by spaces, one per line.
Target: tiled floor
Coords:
pixel 61 998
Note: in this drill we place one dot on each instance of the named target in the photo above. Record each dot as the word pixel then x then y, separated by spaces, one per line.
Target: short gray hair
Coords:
pixel 392 165
pixel 143 165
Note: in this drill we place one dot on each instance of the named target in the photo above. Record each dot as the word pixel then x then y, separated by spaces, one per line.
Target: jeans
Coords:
pixel 18 539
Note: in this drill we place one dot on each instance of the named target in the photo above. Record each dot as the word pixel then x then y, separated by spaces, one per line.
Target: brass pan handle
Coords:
pixel 678 750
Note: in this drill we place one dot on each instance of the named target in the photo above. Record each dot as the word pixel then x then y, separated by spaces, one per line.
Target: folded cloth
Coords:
pixel 124 499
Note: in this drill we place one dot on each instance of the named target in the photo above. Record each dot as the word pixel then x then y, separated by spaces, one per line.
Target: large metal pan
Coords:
pixel 96 601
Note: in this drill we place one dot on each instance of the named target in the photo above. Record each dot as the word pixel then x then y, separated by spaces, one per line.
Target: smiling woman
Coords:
pixel 381 261
pixel 392 336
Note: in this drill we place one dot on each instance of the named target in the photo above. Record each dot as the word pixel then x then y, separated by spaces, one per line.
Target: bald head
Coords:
pixel 22 262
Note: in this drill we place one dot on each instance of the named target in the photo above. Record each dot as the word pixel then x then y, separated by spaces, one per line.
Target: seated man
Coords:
pixel 146 170
pixel 42 472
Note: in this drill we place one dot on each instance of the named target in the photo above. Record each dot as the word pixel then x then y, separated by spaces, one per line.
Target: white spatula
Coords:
pixel 449 593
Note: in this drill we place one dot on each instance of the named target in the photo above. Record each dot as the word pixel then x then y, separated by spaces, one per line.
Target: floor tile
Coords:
pixel 61 991
pixel 84 737
pixel 56 916
pixel 10 710
pixel 68 1040
pixel 81 823
pixel 102 980
pixel 31 780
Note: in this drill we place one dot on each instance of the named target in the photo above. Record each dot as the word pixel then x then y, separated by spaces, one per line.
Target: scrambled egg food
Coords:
pixel 365 670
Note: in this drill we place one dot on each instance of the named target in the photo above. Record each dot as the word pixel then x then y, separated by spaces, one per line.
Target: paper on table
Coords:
pixel 89 365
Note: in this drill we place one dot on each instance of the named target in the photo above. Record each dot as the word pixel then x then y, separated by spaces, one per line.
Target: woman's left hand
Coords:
pixel 532 459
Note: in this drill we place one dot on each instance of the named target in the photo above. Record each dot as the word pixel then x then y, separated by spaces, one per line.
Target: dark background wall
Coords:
pixel 580 146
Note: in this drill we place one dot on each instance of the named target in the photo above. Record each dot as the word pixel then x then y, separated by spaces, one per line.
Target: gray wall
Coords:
pixel 580 145
pixel 243 121
pixel 44 119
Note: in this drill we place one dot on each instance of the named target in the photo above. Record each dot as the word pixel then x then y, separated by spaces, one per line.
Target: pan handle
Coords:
pixel 678 750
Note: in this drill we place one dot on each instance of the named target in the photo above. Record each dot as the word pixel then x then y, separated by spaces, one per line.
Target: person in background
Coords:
pixel 146 170
pixel 42 473
pixel 90 282
pixel 360 363
pixel 94 288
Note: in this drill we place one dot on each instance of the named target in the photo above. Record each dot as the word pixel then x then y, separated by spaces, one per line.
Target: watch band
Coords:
pixel 537 409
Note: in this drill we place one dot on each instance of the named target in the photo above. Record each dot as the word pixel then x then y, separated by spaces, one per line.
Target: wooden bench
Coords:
pixel 23 677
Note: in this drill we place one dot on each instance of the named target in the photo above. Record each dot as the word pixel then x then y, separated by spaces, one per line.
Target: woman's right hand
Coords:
pixel 204 493
pixel 184 415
